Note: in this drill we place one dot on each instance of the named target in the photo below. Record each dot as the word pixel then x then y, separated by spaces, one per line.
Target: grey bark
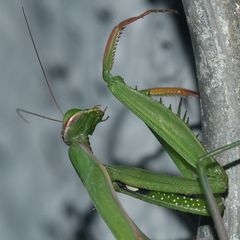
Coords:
pixel 215 31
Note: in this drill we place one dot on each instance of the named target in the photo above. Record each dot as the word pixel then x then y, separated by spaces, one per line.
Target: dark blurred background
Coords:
pixel 41 196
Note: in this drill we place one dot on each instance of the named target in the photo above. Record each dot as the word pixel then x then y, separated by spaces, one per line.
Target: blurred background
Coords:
pixel 41 197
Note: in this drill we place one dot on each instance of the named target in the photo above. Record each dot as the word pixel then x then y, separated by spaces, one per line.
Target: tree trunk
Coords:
pixel 215 31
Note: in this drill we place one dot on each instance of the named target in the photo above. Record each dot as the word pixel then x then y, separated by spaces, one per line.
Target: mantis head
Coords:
pixel 78 124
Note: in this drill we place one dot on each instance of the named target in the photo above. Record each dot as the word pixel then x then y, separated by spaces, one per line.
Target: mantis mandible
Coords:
pixel 181 193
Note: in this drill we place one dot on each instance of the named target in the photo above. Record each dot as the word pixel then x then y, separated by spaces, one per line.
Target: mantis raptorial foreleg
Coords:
pixel 173 133
pixel 168 91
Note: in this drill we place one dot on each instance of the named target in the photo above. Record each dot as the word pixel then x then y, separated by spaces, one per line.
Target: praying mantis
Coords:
pixel 201 176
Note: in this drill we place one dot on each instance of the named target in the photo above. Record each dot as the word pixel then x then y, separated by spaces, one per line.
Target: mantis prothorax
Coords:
pixel 181 193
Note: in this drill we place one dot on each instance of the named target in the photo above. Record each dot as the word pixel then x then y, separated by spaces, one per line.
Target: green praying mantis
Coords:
pixel 202 183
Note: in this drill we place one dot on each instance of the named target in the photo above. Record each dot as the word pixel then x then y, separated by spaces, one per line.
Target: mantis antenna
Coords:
pixel 42 68
pixel 20 111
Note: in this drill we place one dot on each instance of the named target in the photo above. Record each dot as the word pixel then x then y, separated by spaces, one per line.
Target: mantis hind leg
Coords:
pixel 211 201
pixel 203 164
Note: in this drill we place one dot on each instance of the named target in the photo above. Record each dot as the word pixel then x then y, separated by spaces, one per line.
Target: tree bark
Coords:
pixel 215 31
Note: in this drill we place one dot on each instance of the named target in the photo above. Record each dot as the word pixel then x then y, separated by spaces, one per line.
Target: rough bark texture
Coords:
pixel 215 30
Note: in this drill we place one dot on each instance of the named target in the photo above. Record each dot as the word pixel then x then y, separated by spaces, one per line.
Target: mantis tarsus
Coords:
pixel 200 172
